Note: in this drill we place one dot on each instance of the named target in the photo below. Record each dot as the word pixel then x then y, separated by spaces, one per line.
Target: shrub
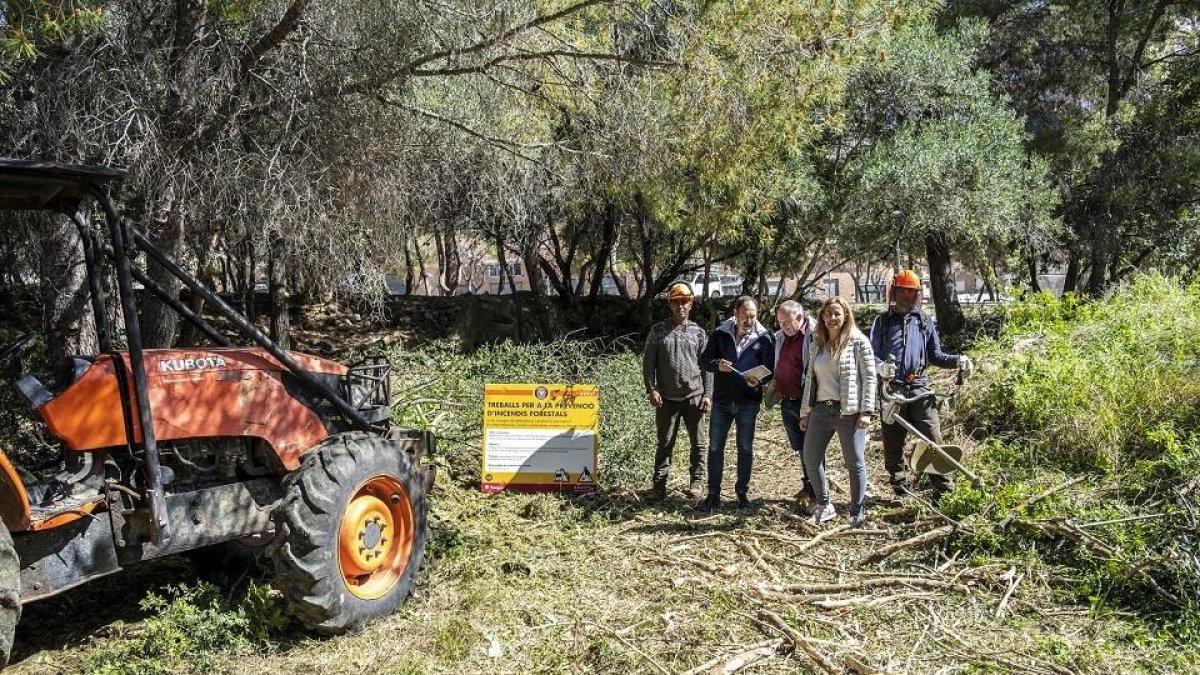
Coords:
pixel 441 389
pixel 188 627
pixel 1085 386
pixel 1109 390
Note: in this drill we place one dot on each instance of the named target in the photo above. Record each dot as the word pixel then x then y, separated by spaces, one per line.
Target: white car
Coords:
pixel 696 281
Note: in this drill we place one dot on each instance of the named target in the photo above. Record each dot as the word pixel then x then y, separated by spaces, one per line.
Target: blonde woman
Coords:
pixel 839 397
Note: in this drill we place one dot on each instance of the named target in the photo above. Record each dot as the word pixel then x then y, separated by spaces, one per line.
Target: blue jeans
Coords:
pixel 790 407
pixel 723 416
pixel 823 423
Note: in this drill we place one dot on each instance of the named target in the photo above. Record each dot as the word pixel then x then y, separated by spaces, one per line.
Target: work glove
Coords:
pixel 965 366
pixel 887 370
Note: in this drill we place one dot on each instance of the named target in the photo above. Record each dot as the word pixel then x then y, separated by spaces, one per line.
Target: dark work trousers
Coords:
pixel 790 407
pixel 725 415
pixel 667 418
pixel 923 415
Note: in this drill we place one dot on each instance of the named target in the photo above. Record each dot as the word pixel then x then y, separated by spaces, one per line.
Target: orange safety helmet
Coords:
pixel 905 279
pixel 680 290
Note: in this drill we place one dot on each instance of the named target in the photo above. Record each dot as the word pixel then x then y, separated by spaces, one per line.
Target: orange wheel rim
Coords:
pixel 375 538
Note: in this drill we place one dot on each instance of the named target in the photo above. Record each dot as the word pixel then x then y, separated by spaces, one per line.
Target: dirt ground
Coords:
pixel 610 584
pixel 606 583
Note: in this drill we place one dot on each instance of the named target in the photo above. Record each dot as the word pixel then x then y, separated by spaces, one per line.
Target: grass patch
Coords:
pixel 1106 392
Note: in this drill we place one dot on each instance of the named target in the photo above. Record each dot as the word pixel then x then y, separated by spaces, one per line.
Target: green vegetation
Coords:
pixel 187 627
pixel 1092 455
pixel 604 583
pixel 441 388
pixel 1096 386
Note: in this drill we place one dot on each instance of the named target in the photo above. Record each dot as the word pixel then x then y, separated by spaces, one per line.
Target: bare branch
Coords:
pixel 548 54
pixel 414 65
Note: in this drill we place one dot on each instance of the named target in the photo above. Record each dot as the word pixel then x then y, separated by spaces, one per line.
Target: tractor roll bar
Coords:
pixel 125 239
pixel 90 256
pixel 315 385
pixel 160 526
pixel 161 293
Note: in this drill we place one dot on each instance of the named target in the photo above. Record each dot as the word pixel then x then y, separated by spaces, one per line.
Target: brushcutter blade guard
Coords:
pixel 924 459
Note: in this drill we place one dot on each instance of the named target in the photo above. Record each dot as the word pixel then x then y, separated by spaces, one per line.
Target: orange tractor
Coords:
pixel 165 450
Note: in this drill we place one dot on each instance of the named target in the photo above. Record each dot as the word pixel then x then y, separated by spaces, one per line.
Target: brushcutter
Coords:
pixel 942 459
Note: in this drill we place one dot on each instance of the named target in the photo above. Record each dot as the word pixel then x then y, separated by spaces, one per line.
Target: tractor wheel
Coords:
pixel 350 532
pixel 10 593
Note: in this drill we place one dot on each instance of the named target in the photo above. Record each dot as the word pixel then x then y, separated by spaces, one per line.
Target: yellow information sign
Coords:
pixel 540 437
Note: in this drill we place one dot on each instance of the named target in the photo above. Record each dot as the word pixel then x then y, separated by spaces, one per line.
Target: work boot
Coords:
pixel 696 489
pixel 899 483
pixel 804 498
pixel 710 504
pixel 939 486
pixel 657 494
pixel 744 501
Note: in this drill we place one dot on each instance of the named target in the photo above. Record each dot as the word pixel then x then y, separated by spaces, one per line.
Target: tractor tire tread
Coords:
pixel 308 519
pixel 10 593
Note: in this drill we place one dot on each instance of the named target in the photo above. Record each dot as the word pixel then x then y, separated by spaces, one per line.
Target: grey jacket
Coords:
pixel 671 361
pixel 856 378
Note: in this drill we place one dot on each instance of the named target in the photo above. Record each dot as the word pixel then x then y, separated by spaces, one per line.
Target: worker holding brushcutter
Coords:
pixel 905 339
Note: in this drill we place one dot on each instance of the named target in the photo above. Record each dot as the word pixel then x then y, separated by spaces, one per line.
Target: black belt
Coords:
pixel 829 403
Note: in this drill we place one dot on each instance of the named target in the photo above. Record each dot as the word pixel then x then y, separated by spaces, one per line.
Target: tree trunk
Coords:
pixel 408 267
pixel 646 261
pixel 1071 277
pixel 189 335
pixel 249 281
pixel 160 323
pixel 941 285
pixel 754 264
pixel 1100 255
pixel 619 280
pixel 424 274
pixel 610 221
pixel 1032 263
pixel 281 322
pixel 533 271
pixel 67 319
pixel 506 275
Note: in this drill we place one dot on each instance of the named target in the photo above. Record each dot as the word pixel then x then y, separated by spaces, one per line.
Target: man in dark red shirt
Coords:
pixel 793 348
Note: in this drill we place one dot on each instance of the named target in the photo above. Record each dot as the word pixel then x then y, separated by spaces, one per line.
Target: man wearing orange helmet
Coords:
pixel 677 388
pixel 905 340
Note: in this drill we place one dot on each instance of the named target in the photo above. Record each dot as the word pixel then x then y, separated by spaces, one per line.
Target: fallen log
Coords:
pixel 801 643
pixel 913 542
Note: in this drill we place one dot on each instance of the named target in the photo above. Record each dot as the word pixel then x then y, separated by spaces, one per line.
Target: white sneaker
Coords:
pixel 823 514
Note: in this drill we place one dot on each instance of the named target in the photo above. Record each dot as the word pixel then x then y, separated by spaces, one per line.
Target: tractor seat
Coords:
pixel 35 394
pixel 69 371
pixel 32 391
